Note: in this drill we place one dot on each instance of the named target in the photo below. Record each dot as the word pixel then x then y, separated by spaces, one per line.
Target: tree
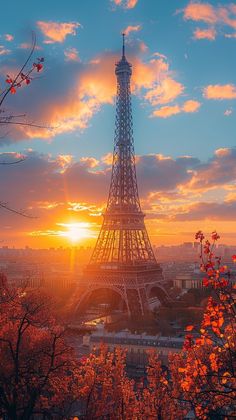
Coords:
pixel 206 369
pixel 36 364
pixel 156 397
pixel 107 392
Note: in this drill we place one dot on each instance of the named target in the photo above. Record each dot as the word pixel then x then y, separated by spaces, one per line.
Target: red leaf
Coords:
pixel 39 67
pixel 189 328
pixel 205 282
pixel 13 90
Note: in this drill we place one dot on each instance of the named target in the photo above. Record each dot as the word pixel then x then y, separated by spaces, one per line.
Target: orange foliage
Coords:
pixel 35 362
pixel 207 377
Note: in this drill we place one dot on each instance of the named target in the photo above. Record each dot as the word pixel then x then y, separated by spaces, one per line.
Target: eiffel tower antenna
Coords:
pixel 123 260
pixel 123 46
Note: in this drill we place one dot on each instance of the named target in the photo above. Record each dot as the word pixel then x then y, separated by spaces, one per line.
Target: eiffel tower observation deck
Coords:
pixel 123 261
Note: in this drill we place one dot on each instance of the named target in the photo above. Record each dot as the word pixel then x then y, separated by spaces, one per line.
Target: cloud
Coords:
pixel 209 34
pixel 57 31
pixel 27 46
pixel 55 180
pixel 71 54
pixel 218 171
pixel 212 16
pixel 67 97
pixel 208 211
pixel 147 75
pixel 220 92
pixel 171 190
pixel 126 4
pixel 189 106
pixel 228 112
pixel 167 111
pixel 165 92
pixel 162 173
pixel 4 51
pixel 131 4
pixel 200 12
pixel 90 162
pixel 230 36
pixel 8 37
pixel 132 28
pixel 71 92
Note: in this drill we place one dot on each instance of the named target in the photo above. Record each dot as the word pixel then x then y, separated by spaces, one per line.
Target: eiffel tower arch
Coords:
pixel 123 259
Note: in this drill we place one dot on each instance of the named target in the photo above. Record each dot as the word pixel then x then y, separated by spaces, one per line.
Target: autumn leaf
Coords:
pixel 189 328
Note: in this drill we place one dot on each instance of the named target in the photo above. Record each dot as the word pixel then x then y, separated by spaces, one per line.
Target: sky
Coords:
pixel 183 96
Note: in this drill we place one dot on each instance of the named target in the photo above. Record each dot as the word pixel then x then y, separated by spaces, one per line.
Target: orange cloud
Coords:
pixel 209 34
pixel 89 162
pixel 64 161
pixel 223 152
pixel 167 199
pixel 148 75
pixel 165 92
pixel 126 4
pixel 167 111
pixel 220 92
pixel 57 32
pixel 92 209
pixel 131 4
pixel 69 98
pixel 200 12
pixel 131 28
pixel 107 159
pixel 211 15
pixel 191 106
pixel 71 54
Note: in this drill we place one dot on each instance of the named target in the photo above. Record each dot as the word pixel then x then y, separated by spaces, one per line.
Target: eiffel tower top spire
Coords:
pixel 123 66
pixel 123 47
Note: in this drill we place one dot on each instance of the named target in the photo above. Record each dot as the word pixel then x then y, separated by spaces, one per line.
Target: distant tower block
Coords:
pixel 123 260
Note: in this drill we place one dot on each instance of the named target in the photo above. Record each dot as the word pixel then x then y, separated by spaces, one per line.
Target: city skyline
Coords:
pixel 183 100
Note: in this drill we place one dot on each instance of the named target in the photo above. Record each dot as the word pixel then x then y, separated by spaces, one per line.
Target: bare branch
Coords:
pixel 19 212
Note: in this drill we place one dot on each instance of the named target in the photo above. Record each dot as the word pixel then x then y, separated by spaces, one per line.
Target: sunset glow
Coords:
pixel 76 232
pixel 183 97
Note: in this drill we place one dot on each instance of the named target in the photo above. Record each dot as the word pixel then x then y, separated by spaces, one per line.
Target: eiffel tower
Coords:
pixel 123 260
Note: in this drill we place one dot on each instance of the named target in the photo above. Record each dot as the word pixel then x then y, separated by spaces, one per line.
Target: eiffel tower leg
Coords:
pixel 140 302
pixel 127 301
pixel 137 304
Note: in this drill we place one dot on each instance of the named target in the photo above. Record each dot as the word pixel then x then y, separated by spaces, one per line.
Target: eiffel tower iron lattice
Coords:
pixel 123 259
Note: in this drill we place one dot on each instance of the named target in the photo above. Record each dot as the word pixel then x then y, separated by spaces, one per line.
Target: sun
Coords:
pixel 76 232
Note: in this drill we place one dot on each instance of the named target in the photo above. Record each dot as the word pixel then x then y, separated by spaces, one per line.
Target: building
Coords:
pixel 136 345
